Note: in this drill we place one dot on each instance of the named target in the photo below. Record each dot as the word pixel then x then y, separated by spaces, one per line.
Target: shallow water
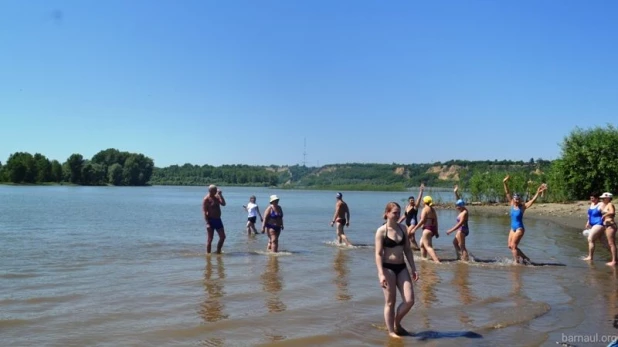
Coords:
pixel 111 266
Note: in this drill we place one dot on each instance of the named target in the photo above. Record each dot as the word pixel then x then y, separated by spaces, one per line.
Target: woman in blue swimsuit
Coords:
pixel 594 224
pixel 273 223
pixel 459 242
pixel 391 251
pixel 517 215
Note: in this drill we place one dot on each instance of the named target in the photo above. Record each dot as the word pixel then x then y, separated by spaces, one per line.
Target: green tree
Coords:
pixel 92 174
pixel 20 168
pixel 43 168
pixel 56 171
pixel 114 174
pixel 74 168
pixel 589 161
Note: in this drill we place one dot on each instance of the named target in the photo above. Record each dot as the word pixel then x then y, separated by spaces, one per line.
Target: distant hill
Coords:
pixel 353 176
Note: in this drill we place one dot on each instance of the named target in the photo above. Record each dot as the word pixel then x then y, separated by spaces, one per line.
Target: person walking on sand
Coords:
pixel 459 242
pixel 411 215
pixel 211 206
pixel 392 248
pixel 253 211
pixel 609 215
pixel 594 224
pixel 517 219
pixel 342 218
pixel 429 223
pixel 273 223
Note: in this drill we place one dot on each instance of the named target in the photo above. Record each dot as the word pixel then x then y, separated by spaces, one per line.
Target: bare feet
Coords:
pixel 588 258
pixel 394 335
pixel 611 263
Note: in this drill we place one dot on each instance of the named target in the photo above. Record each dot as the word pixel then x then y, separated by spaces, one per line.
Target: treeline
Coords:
pixel 588 163
pixel 108 167
pixel 195 175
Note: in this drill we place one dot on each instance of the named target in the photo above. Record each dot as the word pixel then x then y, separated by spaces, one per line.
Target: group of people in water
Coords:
pixel 395 242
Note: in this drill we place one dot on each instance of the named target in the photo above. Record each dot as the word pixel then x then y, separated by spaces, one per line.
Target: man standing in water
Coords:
pixel 342 218
pixel 211 206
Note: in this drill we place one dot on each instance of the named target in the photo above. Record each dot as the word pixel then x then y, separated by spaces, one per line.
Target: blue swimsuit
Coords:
pixel 274 215
pixel 517 216
pixel 595 216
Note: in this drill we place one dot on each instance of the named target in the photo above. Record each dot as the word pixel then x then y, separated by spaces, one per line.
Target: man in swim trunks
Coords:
pixel 342 218
pixel 211 206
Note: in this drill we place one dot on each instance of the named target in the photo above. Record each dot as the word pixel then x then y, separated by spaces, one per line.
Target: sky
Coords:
pixel 280 82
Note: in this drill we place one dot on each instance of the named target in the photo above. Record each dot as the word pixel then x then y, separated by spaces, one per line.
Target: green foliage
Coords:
pixel 42 168
pixel 189 174
pixel 25 168
pixel 56 171
pixel 590 161
pixel 74 168
pixel 20 168
pixel 114 174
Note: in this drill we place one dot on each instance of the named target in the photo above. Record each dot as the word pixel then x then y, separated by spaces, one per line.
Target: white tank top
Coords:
pixel 252 209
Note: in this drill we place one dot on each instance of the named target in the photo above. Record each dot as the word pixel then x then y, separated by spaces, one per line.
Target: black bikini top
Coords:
pixel 390 243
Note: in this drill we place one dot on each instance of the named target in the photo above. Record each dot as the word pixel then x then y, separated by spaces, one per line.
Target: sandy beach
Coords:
pixel 570 215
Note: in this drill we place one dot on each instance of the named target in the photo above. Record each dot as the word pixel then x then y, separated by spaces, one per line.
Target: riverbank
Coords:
pixel 570 215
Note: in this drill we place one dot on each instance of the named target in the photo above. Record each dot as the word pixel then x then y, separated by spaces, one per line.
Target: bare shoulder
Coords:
pixel 380 230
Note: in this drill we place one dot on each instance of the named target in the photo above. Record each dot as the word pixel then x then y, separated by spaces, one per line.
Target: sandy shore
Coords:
pixel 571 215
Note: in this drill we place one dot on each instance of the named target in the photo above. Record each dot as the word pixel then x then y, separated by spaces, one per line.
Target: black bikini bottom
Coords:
pixel 397 268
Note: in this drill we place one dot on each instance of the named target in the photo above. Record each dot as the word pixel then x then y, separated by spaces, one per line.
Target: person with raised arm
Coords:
pixel 429 223
pixel 517 230
pixel 211 207
pixel 253 211
pixel 410 215
pixel 459 242
pixel 392 248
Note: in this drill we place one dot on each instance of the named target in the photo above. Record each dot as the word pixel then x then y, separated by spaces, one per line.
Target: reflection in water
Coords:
pixel 428 279
pixel 608 281
pixel 613 297
pixel 516 277
pixel 271 282
pixel 212 308
pixel 340 264
pixel 461 281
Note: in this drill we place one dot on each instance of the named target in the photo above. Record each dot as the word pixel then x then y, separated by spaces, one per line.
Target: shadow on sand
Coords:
pixel 432 335
pixel 501 261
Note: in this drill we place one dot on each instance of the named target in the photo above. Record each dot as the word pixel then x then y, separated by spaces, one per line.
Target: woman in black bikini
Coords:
pixel 273 223
pixel 392 249
pixel 410 215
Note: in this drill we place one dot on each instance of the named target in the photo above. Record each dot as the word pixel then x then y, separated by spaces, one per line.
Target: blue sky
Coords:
pixel 230 82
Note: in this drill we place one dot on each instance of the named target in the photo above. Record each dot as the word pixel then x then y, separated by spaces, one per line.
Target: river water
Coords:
pixel 119 266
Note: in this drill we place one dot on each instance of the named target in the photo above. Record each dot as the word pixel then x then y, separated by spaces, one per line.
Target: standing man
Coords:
pixel 342 218
pixel 211 206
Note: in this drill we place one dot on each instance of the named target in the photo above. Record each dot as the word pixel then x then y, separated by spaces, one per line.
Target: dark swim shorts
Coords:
pixel 215 223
